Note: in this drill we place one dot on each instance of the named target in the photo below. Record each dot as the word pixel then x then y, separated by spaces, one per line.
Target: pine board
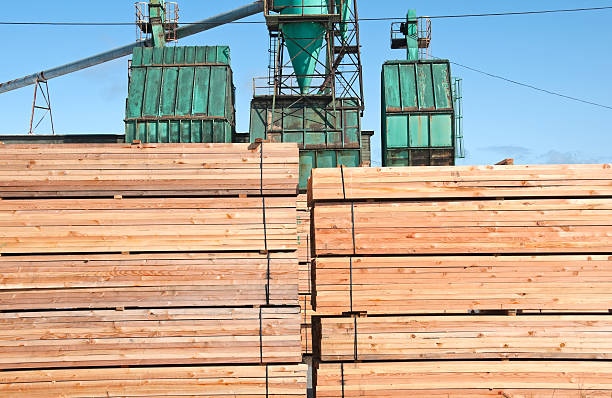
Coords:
pixel 458 284
pixel 306 314
pixel 527 379
pixel 133 225
pixel 288 381
pixel 187 336
pixel 147 280
pixel 437 182
pixel 103 170
pixel 464 227
pixel 303 229
pixel 394 338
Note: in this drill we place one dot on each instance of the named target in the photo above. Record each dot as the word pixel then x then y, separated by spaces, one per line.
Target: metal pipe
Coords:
pixel 182 32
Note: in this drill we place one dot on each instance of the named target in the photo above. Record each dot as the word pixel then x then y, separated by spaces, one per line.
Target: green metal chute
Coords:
pixel 304 40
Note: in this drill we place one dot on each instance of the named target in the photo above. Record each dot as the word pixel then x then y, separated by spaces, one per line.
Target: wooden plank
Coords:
pixel 209 381
pixel 539 379
pixel 168 224
pixel 389 338
pixel 147 280
pixel 461 182
pixel 105 170
pixel 458 284
pixel 189 336
pixel 464 227
pixel 303 229
pixel 306 314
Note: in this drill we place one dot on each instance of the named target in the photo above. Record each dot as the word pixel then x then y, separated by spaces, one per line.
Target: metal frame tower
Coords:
pixel 337 70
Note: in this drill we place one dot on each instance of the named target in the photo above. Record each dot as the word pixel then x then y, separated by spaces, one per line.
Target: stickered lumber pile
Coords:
pixel 183 277
pixel 468 379
pixel 458 284
pixel 106 170
pixel 469 226
pixel 392 338
pixel 285 381
pixel 418 266
pixel 463 182
pixel 146 224
pixel 149 337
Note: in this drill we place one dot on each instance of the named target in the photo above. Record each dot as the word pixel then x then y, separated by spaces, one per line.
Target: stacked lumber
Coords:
pixel 468 226
pixel 149 337
pixel 166 224
pixel 466 379
pixel 417 267
pixel 392 338
pixel 178 259
pixel 209 381
pixel 448 182
pixel 106 170
pixel 459 284
pixel 180 279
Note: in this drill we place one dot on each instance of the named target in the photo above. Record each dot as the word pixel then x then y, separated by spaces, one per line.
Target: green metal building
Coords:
pixel 180 94
pixel 418 118
pixel 327 133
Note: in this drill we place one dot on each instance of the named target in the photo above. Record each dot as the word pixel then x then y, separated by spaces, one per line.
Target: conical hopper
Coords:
pixel 304 40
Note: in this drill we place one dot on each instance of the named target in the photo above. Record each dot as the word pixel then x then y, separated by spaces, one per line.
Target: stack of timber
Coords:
pixel 305 290
pixel 462 281
pixel 159 256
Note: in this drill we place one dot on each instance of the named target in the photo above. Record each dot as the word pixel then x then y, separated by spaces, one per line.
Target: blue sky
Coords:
pixel 569 53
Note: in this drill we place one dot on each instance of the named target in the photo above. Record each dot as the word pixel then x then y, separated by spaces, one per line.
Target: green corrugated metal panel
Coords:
pixel 402 157
pixel 180 94
pixel 420 85
pixel 310 123
pixel 418 130
pixel 326 158
pixel 175 131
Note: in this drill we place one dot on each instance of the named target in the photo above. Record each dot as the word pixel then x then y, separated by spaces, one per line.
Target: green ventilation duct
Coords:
pixel 304 40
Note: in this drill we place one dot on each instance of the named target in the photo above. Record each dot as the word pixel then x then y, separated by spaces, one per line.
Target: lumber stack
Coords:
pixel 425 279
pixel 106 170
pixel 160 256
pixel 208 381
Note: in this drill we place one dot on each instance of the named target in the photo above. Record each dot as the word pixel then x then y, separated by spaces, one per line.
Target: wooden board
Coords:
pixel 147 280
pixel 162 224
pixel 105 170
pixel 286 381
pixel 463 227
pixel 186 336
pixel 526 379
pixel 388 338
pixel 458 284
pixel 303 229
pixel 461 182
